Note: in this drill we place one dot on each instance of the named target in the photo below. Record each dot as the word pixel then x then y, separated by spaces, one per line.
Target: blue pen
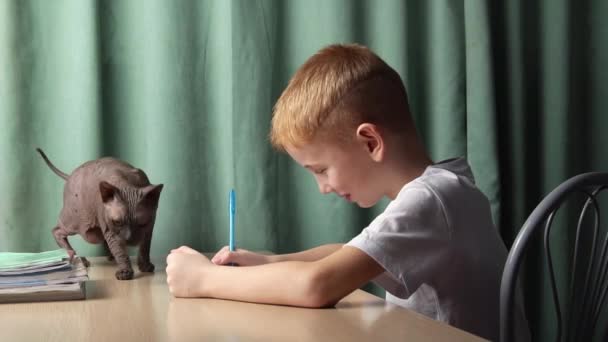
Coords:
pixel 232 211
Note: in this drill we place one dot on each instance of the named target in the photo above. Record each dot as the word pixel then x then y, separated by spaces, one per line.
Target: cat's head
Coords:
pixel 129 212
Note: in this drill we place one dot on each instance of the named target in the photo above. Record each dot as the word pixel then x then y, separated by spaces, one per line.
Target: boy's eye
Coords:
pixel 320 172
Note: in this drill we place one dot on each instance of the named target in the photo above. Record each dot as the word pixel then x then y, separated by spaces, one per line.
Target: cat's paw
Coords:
pixel 145 266
pixel 124 274
pixel 85 262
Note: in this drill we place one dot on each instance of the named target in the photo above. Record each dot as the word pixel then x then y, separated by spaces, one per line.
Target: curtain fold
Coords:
pixel 184 90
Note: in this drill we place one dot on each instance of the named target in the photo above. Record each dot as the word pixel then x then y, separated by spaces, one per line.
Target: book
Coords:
pixel 45 276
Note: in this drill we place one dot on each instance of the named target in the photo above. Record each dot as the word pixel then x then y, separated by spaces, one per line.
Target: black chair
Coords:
pixel 587 279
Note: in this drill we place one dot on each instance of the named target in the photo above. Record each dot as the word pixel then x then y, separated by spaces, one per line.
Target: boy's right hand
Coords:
pixel 241 257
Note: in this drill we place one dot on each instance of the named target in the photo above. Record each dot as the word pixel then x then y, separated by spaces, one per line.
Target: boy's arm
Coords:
pixel 312 254
pixel 244 257
pixel 299 283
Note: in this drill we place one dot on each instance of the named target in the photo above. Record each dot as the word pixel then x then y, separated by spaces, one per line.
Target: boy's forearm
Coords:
pixel 312 254
pixel 298 283
pixel 262 284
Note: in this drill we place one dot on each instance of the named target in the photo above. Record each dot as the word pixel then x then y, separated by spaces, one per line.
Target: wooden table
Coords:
pixel 143 310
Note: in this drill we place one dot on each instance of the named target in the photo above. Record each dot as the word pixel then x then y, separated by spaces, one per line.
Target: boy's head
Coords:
pixel 342 113
pixel 335 91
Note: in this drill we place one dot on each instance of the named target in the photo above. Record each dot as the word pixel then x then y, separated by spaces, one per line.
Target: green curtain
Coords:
pixel 185 89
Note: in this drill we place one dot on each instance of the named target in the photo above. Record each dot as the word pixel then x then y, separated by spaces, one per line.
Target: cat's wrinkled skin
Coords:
pixel 109 201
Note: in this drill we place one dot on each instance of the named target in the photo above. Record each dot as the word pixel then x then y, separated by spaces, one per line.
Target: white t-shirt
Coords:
pixel 441 251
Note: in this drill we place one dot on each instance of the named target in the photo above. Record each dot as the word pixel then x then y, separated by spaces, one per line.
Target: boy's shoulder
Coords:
pixel 448 169
pixel 451 175
pixel 443 190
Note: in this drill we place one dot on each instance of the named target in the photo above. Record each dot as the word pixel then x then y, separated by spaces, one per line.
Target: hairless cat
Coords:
pixel 109 201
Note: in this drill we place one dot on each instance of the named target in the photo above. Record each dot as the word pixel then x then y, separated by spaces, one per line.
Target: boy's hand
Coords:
pixel 240 257
pixel 185 268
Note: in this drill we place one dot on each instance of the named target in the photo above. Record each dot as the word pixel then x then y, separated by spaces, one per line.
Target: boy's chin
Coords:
pixel 366 205
pixel 369 203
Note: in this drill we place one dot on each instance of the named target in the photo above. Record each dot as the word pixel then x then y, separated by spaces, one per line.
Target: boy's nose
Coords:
pixel 324 188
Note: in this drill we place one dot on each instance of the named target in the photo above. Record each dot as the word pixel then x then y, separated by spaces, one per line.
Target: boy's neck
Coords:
pixel 404 170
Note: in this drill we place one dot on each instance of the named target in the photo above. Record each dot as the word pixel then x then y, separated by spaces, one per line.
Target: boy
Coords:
pixel 345 117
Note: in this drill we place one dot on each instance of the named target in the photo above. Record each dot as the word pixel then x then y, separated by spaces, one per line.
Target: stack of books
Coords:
pixel 45 276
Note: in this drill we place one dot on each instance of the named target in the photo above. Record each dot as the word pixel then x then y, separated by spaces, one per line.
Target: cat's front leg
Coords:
pixel 118 248
pixel 61 236
pixel 143 258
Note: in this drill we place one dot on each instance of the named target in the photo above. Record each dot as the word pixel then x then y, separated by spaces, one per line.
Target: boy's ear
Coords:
pixel 369 135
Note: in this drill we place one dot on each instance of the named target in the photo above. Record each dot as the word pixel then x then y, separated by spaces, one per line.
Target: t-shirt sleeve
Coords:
pixel 409 240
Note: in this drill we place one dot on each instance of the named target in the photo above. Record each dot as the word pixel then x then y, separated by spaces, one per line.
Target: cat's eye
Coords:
pixel 117 222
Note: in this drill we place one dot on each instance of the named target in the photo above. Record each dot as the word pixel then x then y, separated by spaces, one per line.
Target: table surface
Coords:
pixel 143 310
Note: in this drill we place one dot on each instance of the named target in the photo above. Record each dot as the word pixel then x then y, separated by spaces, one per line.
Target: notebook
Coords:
pixel 45 276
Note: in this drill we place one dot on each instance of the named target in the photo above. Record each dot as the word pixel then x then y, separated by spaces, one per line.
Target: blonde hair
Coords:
pixel 333 92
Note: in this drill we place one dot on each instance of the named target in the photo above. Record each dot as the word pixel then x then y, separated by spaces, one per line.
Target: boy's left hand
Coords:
pixel 184 272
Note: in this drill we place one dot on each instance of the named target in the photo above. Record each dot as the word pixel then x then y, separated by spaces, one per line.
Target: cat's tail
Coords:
pixel 53 168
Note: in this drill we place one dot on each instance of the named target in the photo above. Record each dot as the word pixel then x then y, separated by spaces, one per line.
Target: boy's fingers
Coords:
pixel 187 249
pixel 221 258
pixel 219 254
pixel 177 250
pixel 225 257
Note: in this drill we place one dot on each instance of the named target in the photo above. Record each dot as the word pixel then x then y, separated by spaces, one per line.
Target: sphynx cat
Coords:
pixel 109 201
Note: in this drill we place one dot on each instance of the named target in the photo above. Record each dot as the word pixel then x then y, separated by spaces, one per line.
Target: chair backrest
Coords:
pixel 585 302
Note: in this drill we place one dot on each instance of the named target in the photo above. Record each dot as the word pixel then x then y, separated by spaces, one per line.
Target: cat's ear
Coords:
pixel 107 190
pixel 152 194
